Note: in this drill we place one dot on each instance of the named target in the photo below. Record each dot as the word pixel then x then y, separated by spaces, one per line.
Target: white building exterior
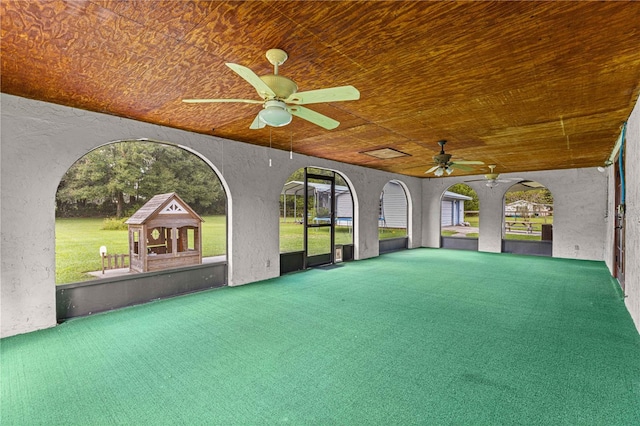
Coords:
pixel 452 212
pixel 533 209
pixel 393 206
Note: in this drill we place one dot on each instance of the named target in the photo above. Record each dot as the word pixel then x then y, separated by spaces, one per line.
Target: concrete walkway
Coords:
pixel 110 273
pixel 461 231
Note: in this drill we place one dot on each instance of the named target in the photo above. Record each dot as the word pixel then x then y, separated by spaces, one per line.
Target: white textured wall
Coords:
pixel 579 224
pixel 432 190
pixel 579 210
pixel 491 208
pixel 632 247
pixel 40 141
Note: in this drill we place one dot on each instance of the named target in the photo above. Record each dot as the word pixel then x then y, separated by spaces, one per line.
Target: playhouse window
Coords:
pixel 191 239
pixel 159 240
pixel 136 242
pixel 187 238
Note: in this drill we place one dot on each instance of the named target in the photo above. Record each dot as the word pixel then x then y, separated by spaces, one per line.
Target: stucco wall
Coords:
pixel 40 141
pixel 579 206
pixel 579 224
pixel 632 228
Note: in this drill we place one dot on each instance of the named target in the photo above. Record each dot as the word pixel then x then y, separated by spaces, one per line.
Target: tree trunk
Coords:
pixel 119 205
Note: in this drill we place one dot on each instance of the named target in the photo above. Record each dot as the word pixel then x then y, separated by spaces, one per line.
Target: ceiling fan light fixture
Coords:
pixel 607 163
pixel 275 114
pixel 449 170
pixel 439 171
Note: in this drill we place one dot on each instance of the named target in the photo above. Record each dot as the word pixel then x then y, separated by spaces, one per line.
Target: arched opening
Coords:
pixel 459 218
pixel 316 219
pixel 130 208
pixel 393 217
pixel 528 219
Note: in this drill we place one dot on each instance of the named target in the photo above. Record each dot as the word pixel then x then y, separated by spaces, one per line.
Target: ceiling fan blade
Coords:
pixel 477 180
pixel 468 162
pixel 205 101
pixel 531 184
pixel 433 169
pixel 314 117
pixel 252 78
pixel 257 123
pixel 331 94
pixel 460 167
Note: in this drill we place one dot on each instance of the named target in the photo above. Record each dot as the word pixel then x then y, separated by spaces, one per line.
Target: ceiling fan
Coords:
pixel 444 164
pixel 280 99
pixel 492 178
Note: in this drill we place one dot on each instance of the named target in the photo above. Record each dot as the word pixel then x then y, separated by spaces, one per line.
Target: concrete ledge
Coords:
pixel 393 244
pixel 534 248
pixel 294 261
pixel 459 243
pixel 85 298
pixel 291 262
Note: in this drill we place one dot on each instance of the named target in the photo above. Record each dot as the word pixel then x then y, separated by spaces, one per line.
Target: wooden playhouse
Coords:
pixel 164 233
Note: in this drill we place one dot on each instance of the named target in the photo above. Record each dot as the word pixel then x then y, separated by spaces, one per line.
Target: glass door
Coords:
pixel 319 220
pixel 619 232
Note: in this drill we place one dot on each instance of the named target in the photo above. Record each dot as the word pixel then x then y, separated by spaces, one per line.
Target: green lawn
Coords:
pixel 473 220
pixel 522 237
pixel 536 227
pixel 537 222
pixel 292 238
pixel 386 233
pixel 78 243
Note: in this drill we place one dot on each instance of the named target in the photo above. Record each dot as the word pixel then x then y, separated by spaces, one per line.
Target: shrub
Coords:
pixel 114 224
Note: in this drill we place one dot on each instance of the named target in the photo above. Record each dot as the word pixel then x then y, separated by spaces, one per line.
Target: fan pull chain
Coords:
pixel 269 146
pixel 291 148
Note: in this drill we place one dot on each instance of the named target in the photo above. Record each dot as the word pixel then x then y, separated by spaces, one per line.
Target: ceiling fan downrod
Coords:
pixel 276 57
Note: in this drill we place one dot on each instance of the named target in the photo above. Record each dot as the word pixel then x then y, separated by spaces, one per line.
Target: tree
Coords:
pixel 463 189
pixel 176 170
pixel 123 175
pixel 103 175
pixel 540 196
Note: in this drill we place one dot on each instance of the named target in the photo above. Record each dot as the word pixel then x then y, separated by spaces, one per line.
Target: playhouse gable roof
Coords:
pixel 161 204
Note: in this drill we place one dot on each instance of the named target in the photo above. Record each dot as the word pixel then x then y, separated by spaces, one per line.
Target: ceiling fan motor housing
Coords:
pixel 442 158
pixel 282 86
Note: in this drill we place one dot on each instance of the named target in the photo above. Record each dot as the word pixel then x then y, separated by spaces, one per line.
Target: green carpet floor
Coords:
pixel 420 336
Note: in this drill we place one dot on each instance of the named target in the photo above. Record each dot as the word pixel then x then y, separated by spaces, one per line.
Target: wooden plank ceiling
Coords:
pixel 523 85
